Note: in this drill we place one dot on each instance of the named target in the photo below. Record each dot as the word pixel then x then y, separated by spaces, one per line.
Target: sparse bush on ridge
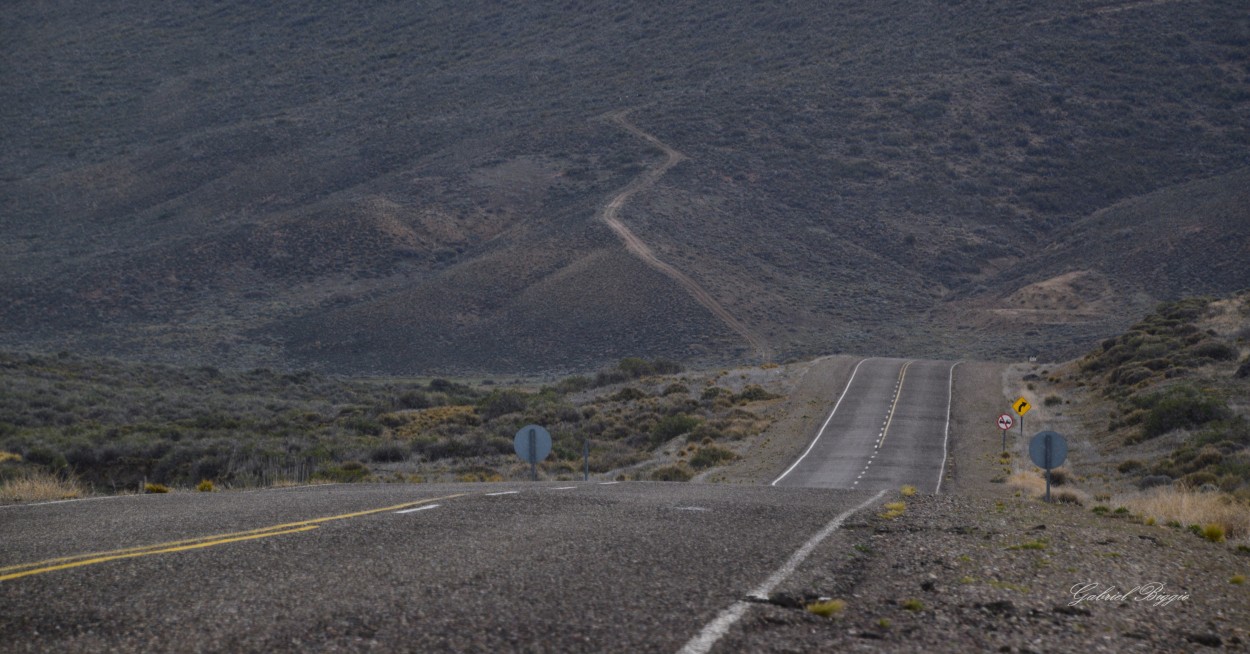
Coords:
pixel 118 425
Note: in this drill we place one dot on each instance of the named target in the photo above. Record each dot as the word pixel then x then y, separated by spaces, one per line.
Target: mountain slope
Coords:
pixel 253 184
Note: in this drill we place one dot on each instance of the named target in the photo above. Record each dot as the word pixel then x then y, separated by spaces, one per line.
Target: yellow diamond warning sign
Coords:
pixel 1021 406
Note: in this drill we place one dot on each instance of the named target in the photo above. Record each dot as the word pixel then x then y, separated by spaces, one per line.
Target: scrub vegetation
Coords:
pixel 112 426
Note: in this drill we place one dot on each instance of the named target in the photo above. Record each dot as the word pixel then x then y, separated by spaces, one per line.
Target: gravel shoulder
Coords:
pixel 982 567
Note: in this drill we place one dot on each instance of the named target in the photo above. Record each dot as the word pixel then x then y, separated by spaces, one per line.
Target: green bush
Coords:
pixel 1178 408
pixel 671 473
pixel 711 456
pixel 671 427
pixel 754 393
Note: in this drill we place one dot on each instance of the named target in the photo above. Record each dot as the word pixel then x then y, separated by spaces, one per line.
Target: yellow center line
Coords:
pixel 897 394
pixel 62 563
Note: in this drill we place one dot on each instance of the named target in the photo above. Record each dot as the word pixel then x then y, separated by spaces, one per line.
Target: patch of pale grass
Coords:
pixel 1167 504
pixel 39 487
pixel 1028 481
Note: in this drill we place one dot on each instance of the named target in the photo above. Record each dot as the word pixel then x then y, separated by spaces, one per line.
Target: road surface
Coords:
pixel 535 567
pixel 889 427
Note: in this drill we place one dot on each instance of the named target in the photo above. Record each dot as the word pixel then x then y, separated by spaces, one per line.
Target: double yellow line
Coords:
pixel 77 561
pixel 885 431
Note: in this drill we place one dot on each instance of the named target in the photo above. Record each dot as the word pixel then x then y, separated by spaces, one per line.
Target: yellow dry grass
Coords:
pixel 9 456
pixel 1189 508
pixel 39 487
pixel 417 422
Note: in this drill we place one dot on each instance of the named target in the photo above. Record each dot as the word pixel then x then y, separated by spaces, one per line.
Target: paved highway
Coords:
pixel 887 428
pixel 537 567
pixel 582 567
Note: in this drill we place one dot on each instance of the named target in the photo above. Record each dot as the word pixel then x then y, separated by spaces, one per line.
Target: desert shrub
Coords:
pixel 1243 370
pixel 573 384
pixel 627 394
pixel 711 456
pixel 1180 407
pixel 713 392
pixel 46 456
pixel 350 471
pixel 671 473
pixel 676 389
pixel 502 402
pixel 1052 400
pixel 754 393
pixel 389 453
pixel 205 486
pixel 671 427
pixel 1131 465
pixel 412 400
pixel 151 487
pixel 1211 349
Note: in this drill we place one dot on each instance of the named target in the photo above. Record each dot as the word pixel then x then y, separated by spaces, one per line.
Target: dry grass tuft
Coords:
pixel 9 456
pixel 907 491
pixel 1166 504
pixel 1028 481
pixel 39 487
pixel 827 608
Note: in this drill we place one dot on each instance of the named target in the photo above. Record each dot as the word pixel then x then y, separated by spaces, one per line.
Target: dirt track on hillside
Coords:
pixel 637 247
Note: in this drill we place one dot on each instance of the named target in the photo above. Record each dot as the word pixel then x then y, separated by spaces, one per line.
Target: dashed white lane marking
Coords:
pixel 608 483
pixel 502 493
pixel 427 507
pixel 692 508
pixel 718 627
pixel 564 488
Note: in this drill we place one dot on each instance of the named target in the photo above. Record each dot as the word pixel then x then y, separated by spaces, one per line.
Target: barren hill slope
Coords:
pixel 402 187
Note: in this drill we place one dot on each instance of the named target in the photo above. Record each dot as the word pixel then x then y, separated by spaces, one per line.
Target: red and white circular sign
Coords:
pixel 1005 421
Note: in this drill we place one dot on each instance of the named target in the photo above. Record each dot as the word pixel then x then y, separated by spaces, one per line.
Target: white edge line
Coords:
pixel 950 396
pixel 502 493
pixel 822 427
pixel 608 483
pixel 563 488
pixel 718 627
pixel 427 507
pixel 78 499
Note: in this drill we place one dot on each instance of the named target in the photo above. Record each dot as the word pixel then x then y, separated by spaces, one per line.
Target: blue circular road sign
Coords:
pixel 532 443
pixel 1048 450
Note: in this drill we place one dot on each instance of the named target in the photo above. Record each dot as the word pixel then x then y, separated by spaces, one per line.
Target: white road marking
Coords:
pixel 950 392
pixel 80 499
pixel 608 483
pixel 563 488
pixel 717 628
pixel 822 427
pixel 427 507
pixel 502 493
pixel 692 508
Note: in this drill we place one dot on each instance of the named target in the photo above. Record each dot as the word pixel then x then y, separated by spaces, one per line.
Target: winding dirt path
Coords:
pixel 637 247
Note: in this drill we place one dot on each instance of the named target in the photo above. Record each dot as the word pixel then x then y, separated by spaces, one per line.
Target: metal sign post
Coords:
pixel 1004 423
pixel 1048 450
pixel 586 456
pixel 1021 407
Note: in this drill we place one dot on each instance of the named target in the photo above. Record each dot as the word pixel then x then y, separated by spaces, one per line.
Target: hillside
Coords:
pixel 405 188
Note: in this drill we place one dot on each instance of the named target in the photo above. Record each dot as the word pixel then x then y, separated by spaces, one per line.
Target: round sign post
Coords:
pixel 532 444
pixel 1005 422
pixel 1048 450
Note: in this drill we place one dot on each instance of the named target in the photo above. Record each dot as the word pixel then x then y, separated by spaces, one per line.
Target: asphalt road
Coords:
pixel 573 567
pixel 537 567
pixel 887 428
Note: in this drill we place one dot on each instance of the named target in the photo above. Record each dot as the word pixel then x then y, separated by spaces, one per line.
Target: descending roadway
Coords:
pixel 535 567
pixel 889 427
